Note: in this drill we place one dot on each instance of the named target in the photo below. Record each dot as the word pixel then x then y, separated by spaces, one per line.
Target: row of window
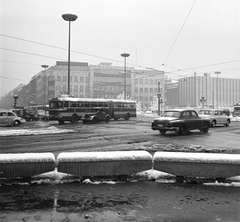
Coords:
pixel 72 78
pixel 146 81
pixel 146 90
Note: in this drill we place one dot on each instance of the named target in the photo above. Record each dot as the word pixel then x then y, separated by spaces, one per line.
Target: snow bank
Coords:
pixel 209 165
pixel 20 132
pixel 114 163
pixel 25 164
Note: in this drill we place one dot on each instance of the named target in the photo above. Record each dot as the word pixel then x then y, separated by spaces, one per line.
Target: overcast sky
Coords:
pixel 179 37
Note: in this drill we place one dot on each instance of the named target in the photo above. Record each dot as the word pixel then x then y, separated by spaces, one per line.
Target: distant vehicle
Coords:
pixel 236 109
pixel 9 118
pixel 73 109
pixel 33 112
pixel 216 116
pixel 181 121
pixel 96 115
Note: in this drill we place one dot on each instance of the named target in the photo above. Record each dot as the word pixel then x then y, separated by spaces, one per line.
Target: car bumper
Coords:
pixel 159 126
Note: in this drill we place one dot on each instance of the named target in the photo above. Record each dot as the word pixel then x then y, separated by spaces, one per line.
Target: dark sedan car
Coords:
pixel 181 121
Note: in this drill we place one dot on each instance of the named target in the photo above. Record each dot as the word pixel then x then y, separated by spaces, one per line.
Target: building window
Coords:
pixel 87 79
pixel 146 90
pixel 51 78
pixel 75 78
pixel 146 81
pixel 64 78
pixel 136 90
pixel 141 81
pixel 151 90
pixel 141 90
pixel 59 78
pixel 81 79
pixel 64 88
pixel 151 81
pixel 50 87
pixel 136 81
pixel 75 89
pixel 81 89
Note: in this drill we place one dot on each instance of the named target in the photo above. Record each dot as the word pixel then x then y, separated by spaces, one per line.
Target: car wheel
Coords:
pixel 127 117
pixel 205 129
pixel 213 124
pixel 163 132
pixel 181 130
pixel 60 121
pixel 228 123
pixel 74 118
pixel 95 120
pixel 16 123
pixel 107 119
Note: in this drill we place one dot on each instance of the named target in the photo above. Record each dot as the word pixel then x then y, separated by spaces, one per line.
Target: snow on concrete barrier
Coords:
pixel 115 163
pixel 25 164
pixel 206 165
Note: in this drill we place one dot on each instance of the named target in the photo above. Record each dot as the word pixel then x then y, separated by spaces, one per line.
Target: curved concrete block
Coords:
pixel 207 165
pixel 115 163
pixel 25 164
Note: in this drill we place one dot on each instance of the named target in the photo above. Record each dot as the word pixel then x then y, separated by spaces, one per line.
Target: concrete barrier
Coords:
pixel 115 163
pixel 206 165
pixel 25 164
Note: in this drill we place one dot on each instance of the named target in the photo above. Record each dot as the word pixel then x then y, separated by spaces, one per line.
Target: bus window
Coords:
pixel 73 104
pixel 65 104
pixel 87 104
pixel 94 104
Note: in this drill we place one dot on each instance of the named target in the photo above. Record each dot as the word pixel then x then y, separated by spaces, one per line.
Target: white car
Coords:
pixel 9 118
pixel 217 116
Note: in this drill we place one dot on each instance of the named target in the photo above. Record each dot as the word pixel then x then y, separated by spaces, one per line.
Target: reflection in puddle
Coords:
pixel 142 201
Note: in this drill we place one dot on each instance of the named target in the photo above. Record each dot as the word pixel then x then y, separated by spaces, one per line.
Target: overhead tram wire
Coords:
pixel 153 68
pixel 179 33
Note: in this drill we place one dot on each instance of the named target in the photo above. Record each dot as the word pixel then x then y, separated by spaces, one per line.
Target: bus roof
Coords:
pixel 72 99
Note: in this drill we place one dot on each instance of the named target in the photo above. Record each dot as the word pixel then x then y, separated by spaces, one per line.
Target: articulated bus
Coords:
pixel 236 109
pixel 73 109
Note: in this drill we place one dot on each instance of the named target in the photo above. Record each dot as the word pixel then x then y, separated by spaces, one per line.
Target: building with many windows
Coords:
pixel 91 81
pixel 208 91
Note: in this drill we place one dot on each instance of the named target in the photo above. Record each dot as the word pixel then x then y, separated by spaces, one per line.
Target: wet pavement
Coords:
pixel 121 201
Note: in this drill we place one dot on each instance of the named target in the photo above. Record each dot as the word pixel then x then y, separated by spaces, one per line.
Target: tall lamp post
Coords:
pixel 217 73
pixel 70 18
pixel 44 83
pixel 125 55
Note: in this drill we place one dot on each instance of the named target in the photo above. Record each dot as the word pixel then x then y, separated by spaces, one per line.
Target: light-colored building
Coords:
pixel 216 91
pixel 95 81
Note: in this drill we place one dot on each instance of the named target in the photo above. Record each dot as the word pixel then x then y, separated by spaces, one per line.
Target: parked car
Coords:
pixel 181 121
pixel 9 118
pixel 96 115
pixel 216 116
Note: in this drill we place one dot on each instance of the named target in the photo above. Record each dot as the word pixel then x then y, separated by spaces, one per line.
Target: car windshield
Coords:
pixel 205 112
pixel 175 114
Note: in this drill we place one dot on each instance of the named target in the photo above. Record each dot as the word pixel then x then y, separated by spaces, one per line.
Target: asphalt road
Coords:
pixel 135 134
pixel 123 201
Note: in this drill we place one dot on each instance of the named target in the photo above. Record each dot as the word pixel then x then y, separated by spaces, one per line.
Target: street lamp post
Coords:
pixel 70 18
pixel 217 73
pixel 125 55
pixel 15 97
pixel 44 83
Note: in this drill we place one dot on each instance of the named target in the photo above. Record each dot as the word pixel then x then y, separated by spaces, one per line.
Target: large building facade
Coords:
pixel 208 91
pixel 88 81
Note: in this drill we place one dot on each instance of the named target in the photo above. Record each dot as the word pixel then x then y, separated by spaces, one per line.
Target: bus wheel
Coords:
pixel 127 117
pixel 107 119
pixel 74 118
pixel 60 121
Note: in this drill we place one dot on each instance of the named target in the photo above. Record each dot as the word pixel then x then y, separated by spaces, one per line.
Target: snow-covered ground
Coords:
pixel 6 131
